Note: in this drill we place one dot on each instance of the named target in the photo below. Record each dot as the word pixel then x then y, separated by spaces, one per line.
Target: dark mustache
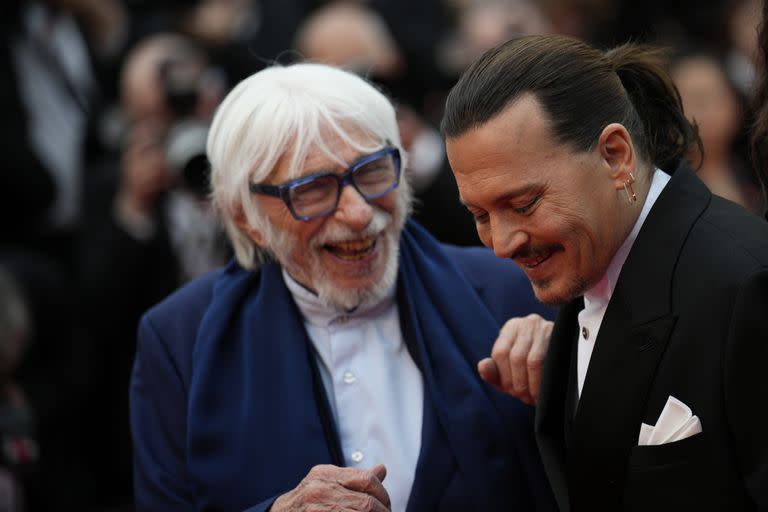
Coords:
pixel 531 251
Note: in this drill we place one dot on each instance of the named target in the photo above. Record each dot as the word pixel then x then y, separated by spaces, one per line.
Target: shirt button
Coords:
pixel 349 378
pixel 357 456
pixel 585 333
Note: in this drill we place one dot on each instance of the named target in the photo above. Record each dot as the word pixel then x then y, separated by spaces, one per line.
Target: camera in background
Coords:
pixel 185 80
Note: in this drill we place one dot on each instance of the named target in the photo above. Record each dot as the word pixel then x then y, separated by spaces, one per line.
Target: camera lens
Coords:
pixel 185 150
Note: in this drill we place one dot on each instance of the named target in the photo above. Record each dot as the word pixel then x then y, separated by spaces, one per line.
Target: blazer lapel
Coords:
pixel 445 326
pixel 252 340
pixel 436 464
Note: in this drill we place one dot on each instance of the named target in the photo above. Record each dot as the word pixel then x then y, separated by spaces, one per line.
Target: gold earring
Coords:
pixel 631 196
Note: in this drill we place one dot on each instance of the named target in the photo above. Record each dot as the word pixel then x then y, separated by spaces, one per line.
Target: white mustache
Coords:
pixel 334 233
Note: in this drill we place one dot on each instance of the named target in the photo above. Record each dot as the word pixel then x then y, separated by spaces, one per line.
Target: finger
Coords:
pixel 489 372
pixel 359 502
pixel 501 350
pixel 365 482
pixel 337 497
pixel 380 471
pixel 536 360
pixel 518 362
pixel 369 503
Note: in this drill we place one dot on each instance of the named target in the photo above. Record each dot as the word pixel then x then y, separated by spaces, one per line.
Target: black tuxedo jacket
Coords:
pixel 688 318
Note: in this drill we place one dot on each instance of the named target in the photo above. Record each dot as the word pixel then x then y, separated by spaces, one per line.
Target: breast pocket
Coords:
pixel 673 476
pixel 666 457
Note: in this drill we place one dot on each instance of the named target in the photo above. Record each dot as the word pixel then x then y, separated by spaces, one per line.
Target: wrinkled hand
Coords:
pixel 329 487
pixel 517 357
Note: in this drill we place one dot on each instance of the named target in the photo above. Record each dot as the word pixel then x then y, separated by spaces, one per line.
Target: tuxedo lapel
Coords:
pixel 610 410
pixel 633 337
pixel 550 411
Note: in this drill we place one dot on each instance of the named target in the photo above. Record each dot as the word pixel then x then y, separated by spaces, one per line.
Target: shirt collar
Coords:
pixel 317 313
pixel 602 291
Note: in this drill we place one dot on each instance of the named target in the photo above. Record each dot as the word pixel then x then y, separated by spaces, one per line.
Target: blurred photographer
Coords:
pixel 168 85
pixel 153 231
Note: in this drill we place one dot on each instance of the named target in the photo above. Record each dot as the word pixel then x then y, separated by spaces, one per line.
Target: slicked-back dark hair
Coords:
pixel 582 90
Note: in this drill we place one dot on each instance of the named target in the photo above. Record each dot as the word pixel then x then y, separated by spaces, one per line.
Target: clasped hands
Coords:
pixel 332 488
pixel 514 367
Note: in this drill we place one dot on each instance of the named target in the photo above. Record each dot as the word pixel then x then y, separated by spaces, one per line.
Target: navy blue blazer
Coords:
pixel 225 409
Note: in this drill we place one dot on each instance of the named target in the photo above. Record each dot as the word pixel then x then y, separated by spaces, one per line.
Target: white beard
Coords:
pixel 282 245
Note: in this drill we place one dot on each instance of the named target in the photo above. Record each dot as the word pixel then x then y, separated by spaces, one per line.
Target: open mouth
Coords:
pixel 352 250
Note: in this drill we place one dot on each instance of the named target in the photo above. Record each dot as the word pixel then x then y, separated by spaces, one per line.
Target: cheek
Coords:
pixel 306 235
pixel 561 220
pixel 388 203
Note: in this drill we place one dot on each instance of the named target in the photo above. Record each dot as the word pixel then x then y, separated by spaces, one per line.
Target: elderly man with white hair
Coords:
pixel 332 366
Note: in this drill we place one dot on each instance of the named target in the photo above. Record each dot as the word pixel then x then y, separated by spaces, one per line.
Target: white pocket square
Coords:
pixel 675 422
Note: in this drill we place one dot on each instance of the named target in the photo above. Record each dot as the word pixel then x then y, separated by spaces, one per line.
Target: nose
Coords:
pixel 353 210
pixel 506 238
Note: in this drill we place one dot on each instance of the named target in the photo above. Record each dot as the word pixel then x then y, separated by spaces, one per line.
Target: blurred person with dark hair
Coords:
pixel 713 103
pixel 332 364
pixel 572 161
pixel 759 131
pixel 483 24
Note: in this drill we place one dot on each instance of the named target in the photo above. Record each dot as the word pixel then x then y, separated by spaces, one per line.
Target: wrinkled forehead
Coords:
pixel 331 148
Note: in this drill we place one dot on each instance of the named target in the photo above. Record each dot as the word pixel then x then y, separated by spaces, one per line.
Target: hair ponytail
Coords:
pixel 668 134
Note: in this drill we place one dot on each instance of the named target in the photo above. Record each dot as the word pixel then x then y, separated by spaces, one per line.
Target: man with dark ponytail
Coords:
pixel 572 161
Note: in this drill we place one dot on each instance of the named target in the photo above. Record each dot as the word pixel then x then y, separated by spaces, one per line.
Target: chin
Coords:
pixel 367 289
pixel 349 296
pixel 554 294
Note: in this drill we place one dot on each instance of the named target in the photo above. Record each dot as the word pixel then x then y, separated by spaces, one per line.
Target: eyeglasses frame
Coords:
pixel 283 190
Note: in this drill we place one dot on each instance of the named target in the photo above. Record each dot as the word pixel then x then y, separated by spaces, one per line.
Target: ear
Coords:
pixel 242 223
pixel 617 151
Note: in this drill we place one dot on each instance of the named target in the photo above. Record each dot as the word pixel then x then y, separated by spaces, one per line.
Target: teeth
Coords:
pixel 358 245
pixel 352 250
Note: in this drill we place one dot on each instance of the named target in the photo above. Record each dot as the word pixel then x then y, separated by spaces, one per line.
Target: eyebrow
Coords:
pixel 327 170
pixel 512 194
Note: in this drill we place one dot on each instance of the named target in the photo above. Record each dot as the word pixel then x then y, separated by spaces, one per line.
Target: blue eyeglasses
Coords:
pixel 317 195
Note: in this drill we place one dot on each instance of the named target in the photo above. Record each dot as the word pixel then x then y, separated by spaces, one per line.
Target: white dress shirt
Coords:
pixel 596 298
pixel 374 388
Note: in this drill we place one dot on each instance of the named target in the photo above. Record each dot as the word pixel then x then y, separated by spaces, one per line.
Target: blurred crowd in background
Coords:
pixel 105 105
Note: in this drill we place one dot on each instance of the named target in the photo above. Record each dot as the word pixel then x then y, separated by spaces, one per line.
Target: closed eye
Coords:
pixel 526 208
pixel 480 217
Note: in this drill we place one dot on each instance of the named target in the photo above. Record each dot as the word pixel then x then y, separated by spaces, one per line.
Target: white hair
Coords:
pixel 289 111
